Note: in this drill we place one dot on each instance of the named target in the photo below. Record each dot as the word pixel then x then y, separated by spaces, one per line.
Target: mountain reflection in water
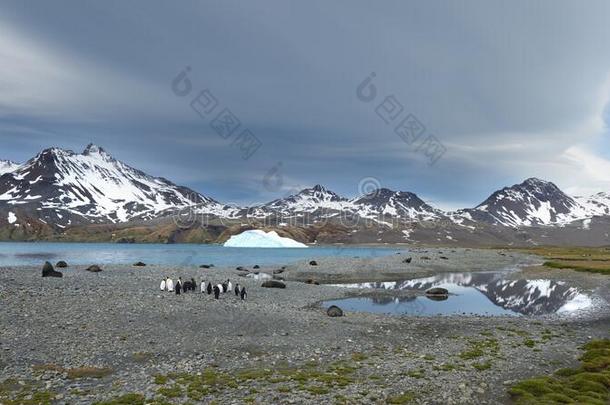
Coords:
pixel 526 297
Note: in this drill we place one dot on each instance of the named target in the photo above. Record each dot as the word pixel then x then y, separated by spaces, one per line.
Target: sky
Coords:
pixel 498 92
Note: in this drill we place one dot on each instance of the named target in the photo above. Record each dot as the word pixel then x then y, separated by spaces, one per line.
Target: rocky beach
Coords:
pixel 114 337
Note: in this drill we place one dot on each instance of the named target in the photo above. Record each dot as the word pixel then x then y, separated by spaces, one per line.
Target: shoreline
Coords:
pixel 119 320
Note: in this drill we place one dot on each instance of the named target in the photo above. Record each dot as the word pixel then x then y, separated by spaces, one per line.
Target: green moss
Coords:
pixel 400 399
pixel 482 366
pixel 253 374
pixel 529 342
pixel 584 266
pixel 317 390
pixel 588 384
pixel 415 374
pixel 127 399
pixel 480 348
pixel 160 379
pixel 359 357
pixel 175 391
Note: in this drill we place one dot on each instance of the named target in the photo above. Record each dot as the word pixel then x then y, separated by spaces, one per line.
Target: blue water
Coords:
pixel 463 301
pixel 26 254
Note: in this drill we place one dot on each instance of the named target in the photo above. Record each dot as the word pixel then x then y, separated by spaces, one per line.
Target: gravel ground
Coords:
pixel 278 346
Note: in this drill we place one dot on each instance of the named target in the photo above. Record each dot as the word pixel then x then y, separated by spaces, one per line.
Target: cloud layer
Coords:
pixel 511 91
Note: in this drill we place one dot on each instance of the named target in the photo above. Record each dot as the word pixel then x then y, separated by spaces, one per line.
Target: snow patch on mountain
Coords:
pixel 6 166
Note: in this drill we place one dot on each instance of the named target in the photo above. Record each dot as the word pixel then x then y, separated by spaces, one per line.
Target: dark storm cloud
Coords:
pixel 512 90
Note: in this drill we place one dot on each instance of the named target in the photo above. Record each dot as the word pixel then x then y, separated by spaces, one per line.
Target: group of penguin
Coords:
pixel 167 284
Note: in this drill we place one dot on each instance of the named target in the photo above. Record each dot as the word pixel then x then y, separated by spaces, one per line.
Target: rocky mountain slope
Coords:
pixel 64 188
pixel 63 192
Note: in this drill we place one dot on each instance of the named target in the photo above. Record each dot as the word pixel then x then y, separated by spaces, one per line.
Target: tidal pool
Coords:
pixel 469 294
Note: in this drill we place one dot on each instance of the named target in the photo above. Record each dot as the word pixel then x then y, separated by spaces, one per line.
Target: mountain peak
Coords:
pixel 536 182
pixel 92 149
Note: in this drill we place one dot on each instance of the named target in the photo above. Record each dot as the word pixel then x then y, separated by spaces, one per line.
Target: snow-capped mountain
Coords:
pixel 379 205
pixel 6 166
pixel 63 187
pixel 399 204
pixel 307 200
pixel 59 188
pixel 597 204
pixel 531 203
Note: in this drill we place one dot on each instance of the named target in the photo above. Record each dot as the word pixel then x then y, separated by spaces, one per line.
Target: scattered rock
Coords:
pixel 313 263
pixel 278 271
pixel 139 264
pixel 444 257
pixel 312 281
pixel 49 271
pixel 425 258
pixel 273 284
pixel 407 260
pixel 61 264
pixel 437 291
pixel 205 266
pixel 240 268
pixel 94 268
pixel 334 311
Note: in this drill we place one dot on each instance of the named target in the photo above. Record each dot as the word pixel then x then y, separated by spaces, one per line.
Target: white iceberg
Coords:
pixel 261 239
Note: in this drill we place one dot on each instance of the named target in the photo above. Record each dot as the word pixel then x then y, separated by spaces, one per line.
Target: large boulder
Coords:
pixel 273 284
pixel 61 264
pixel 94 268
pixel 437 292
pixel 313 263
pixel 49 271
pixel 334 311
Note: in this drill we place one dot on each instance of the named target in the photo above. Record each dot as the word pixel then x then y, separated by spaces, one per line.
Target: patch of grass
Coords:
pixel 88 372
pixel 127 399
pixel 174 391
pixel 415 374
pixel 585 266
pixel 529 342
pixel 253 374
pixel 317 390
pixel 359 357
pixel 588 384
pixel 482 366
pixel 446 367
pixel 404 398
pixel 480 348
pixel 160 379
pixel 588 259
pixel 13 392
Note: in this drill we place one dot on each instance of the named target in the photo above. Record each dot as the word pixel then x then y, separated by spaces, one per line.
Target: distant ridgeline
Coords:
pixel 90 196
